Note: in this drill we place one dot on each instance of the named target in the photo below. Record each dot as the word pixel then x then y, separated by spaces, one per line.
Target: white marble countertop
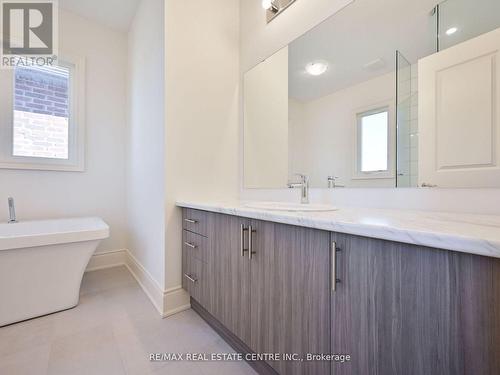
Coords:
pixel 468 233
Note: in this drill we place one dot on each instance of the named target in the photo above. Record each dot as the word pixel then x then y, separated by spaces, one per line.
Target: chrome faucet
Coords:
pixel 12 211
pixel 304 187
pixel 332 182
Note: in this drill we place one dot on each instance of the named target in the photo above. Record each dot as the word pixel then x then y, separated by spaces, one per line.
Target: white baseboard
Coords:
pixel 167 302
pixel 146 281
pixel 175 300
pixel 107 259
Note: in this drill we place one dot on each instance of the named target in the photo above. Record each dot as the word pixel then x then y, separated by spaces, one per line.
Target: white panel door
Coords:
pixel 459 105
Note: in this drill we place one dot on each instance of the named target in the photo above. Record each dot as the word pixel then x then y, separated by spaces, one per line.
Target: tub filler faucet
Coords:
pixel 12 211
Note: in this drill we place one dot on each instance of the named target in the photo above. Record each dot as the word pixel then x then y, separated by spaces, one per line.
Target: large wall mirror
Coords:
pixel 389 93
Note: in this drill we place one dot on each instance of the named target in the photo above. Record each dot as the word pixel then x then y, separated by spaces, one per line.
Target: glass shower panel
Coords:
pixel 407 122
pixel 461 20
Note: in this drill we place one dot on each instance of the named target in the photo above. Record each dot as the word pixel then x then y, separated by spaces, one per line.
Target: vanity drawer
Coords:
pixel 195 221
pixel 191 275
pixel 196 245
pixel 195 279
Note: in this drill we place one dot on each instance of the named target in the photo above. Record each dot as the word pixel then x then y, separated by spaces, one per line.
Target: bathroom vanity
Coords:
pixel 408 99
pixel 397 292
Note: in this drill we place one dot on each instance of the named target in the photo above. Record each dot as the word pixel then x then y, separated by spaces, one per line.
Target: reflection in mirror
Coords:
pixel 373 141
pixel 407 120
pixel 266 119
pixel 461 20
pixel 357 86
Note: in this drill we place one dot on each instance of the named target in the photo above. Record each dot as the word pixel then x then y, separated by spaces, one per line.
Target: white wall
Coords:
pixel 259 41
pixel 202 93
pixel 266 119
pixel 479 201
pixel 99 190
pixel 145 180
pixel 298 160
pixel 325 138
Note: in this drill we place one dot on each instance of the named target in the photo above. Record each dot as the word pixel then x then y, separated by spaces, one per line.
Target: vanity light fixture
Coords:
pixel 451 31
pixel 317 68
pixel 269 4
pixel 275 7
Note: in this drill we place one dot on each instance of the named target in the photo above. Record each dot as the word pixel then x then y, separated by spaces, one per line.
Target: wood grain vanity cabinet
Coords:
pixel 197 256
pixel 270 289
pixel 230 277
pixel 395 309
pixel 412 310
pixel 290 293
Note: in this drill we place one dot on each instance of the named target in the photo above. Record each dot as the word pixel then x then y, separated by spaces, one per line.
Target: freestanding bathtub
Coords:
pixel 42 265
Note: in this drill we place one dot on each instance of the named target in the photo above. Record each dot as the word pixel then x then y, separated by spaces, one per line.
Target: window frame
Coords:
pixel 76 123
pixel 358 174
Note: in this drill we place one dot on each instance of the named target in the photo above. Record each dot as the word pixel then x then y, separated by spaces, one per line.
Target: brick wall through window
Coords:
pixel 41 112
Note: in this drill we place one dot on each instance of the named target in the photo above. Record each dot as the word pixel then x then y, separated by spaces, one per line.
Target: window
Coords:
pixel 41 112
pixel 373 152
pixel 42 117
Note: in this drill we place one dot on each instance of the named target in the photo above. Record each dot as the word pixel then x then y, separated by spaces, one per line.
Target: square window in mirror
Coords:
pixel 373 142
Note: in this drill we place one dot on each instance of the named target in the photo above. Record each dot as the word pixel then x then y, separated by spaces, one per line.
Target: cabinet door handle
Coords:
pixel 335 249
pixel 191 221
pixel 190 278
pixel 189 244
pixel 242 239
pixel 251 252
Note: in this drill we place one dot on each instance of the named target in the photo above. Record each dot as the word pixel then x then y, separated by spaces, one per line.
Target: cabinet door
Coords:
pixel 290 295
pixel 405 309
pixel 364 304
pixel 230 276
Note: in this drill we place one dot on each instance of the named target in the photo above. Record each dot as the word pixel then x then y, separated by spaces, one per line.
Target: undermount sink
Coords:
pixel 292 207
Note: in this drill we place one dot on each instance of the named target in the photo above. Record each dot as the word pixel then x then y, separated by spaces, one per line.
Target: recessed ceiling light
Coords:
pixel 317 68
pixel 451 30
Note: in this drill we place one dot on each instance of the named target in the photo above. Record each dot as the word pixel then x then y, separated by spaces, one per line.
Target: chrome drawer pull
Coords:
pixel 334 266
pixel 251 251
pixel 242 239
pixel 191 221
pixel 190 278
pixel 190 245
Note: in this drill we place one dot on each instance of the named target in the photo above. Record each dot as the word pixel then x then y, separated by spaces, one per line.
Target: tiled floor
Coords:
pixel 112 331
